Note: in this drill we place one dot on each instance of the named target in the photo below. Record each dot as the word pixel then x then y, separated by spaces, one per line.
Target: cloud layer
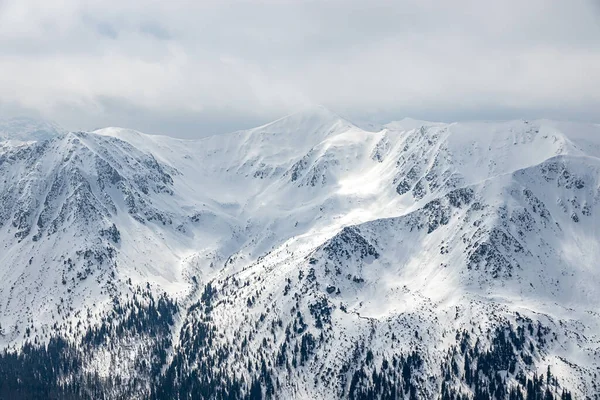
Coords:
pixel 192 68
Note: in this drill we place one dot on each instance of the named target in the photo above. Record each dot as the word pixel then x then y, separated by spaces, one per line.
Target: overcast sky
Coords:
pixel 193 68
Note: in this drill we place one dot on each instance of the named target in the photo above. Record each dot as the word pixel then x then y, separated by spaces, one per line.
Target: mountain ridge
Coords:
pixel 264 265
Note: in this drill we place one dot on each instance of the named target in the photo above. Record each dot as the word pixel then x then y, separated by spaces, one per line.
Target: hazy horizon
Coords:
pixel 366 124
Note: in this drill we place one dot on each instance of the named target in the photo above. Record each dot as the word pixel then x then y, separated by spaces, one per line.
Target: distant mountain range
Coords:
pixel 305 258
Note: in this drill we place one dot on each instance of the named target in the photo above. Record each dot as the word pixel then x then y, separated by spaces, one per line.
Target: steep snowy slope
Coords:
pixel 305 258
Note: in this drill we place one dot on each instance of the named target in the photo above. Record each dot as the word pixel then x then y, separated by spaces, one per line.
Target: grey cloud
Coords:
pixel 106 29
pixel 188 67
pixel 155 30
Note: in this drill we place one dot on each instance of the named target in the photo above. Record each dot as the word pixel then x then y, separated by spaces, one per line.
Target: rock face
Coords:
pixel 306 258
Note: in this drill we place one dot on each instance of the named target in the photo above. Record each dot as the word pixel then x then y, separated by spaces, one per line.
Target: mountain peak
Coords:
pixel 315 110
pixel 409 123
pixel 308 117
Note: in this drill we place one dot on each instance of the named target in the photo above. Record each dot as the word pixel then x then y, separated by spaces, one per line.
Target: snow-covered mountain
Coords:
pixel 306 258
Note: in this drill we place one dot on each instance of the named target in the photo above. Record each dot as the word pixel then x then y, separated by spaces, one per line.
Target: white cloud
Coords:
pixel 87 63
